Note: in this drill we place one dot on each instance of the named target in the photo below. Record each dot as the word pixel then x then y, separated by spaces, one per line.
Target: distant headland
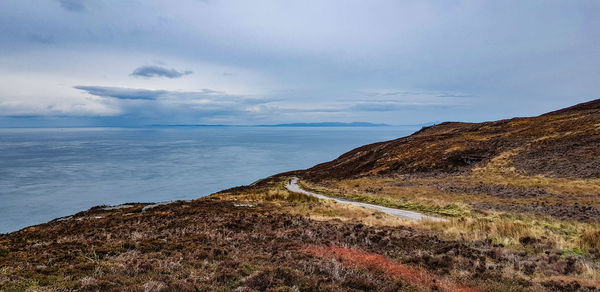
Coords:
pixel 321 124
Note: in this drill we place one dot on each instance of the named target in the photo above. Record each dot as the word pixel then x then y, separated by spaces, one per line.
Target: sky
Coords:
pixel 145 62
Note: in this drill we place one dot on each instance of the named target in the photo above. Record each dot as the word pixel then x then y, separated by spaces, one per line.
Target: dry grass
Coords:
pixel 317 209
pixel 502 227
pixel 509 230
pixel 590 238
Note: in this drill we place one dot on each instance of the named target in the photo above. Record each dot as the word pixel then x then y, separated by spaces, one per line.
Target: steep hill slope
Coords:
pixel 564 143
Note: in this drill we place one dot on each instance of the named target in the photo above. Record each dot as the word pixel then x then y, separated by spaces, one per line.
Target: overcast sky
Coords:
pixel 140 62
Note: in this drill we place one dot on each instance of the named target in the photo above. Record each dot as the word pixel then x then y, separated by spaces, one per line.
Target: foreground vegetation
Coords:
pixel 264 237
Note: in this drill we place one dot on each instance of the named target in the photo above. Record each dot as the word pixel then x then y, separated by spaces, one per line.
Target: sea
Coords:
pixel 49 173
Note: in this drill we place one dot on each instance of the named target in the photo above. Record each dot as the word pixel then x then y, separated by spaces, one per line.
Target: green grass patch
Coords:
pixel 573 251
pixel 327 212
pixel 290 197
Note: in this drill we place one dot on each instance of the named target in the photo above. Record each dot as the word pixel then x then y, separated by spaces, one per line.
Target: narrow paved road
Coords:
pixel 292 186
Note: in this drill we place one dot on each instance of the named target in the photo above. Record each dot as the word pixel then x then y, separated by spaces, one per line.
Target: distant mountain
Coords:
pixel 323 124
pixel 328 124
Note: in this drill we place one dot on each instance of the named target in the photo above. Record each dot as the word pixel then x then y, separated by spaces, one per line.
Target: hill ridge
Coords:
pixel 562 143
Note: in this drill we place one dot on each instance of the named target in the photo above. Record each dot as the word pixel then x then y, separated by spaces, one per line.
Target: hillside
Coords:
pixel 564 143
pixel 544 165
pixel 520 200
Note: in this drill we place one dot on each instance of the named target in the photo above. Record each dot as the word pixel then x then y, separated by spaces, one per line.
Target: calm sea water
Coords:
pixel 49 173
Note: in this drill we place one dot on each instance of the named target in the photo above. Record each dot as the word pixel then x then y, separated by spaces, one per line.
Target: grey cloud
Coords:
pixel 122 93
pixel 205 97
pixel 447 94
pixel 72 5
pixel 210 91
pixel 166 106
pixel 41 38
pixel 398 105
pixel 390 107
pixel 286 108
pixel 415 93
pixel 376 107
pixel 157 71
pixel 404 93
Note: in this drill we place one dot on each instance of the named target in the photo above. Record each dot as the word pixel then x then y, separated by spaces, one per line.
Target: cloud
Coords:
pixel 72 5
pixel 41 38
pixel 64 107
pixel 389 106
pixel 202 100
pixel 413 93
pixel 122 93
pixel 446 94
pixel 147 94
pixel 144 106
pixel 157 71
pixel 418 104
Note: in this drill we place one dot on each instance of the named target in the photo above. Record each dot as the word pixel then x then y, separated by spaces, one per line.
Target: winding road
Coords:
pixel 293 186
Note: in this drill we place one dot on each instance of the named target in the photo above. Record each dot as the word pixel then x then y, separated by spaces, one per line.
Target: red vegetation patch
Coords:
pixel 361 259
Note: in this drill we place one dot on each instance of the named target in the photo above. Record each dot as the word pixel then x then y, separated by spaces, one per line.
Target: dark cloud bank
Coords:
pixel 122 93
pixel 156 71
pixel 72 5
